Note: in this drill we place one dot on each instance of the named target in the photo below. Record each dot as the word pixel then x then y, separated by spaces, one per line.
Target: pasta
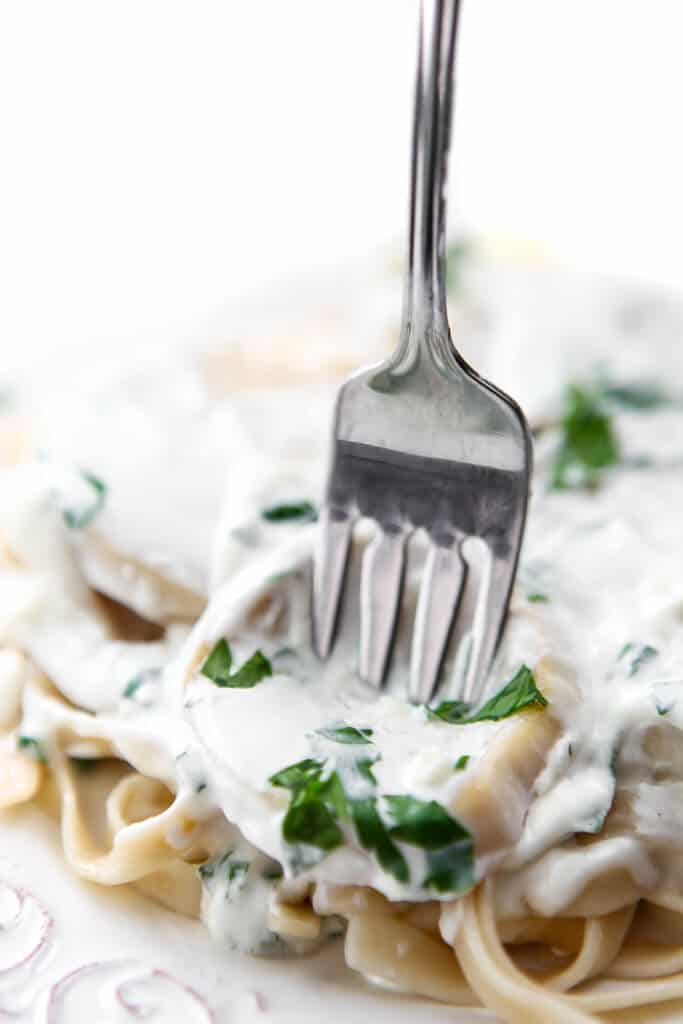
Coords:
pixel 521 856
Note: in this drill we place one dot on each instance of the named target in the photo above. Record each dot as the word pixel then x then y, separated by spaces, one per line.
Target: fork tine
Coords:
pixel 440 592
pixel 380 591
pixel 329 569
pixel 489 619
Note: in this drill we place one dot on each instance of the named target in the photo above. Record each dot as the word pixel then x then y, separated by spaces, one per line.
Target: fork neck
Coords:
pixel 424 296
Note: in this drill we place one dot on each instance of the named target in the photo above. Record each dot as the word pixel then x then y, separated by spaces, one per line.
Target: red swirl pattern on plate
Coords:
pixel 25 927
pixel 113 990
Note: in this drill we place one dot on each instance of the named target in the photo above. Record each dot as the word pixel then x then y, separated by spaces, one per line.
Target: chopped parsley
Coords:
pixel 452 711
pixel 428 825
pixel 538 598
pixel 343 733
pixel 588 445
pixel 634 656
pixel 318 804
pixel 237 869
pixel 461 763
pixel 134 684
pixel 638 396
pixel 422 823
pixel 374 836
pixel 234 870
pixel 363 767
pixel 302 511
pixel 218 665
pixel 517 695
pixel 32 746
pixel 79 518
pixel 272 872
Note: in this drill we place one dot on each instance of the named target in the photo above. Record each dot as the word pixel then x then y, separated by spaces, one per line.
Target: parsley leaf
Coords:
pixel 343 733
pixel 520 693
pixel 461 763
pixel 364 768
pixel 452 868
pixel 636 655
pixel 304 511
pixel 452 711
pixel 315 805
pixel 318 804
pixel 374 836
pixel 427 825
pixel 538 598
pixel 639 396
pixel 296 775
pixel 311 821
pixel 423 823
pixel 253 671
pixel 517 695
pixel 219 663
pixel 79 518
pixel 237 869
pixel 589 443
pixel 134 684
pixel 32 745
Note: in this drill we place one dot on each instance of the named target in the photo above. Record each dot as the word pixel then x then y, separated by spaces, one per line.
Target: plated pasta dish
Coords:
pixel 160 698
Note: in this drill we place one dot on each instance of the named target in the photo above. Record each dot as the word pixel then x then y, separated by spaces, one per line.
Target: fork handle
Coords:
pixel 424 296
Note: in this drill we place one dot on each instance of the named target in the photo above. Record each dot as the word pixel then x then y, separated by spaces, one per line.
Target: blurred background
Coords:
pixel 163 158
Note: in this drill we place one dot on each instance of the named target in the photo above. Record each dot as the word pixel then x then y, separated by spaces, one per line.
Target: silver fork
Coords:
pixel 421 442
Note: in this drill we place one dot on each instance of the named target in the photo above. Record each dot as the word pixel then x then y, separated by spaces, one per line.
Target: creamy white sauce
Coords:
pixel 187 480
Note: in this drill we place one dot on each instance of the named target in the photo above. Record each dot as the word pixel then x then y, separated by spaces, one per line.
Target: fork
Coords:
pixel 422 443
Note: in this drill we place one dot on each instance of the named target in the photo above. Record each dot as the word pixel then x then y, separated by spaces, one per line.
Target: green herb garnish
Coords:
pixel 343 733
pixel 427 825
pixel 374 836
pixel 33 746
pixel 78 519
pixel 253 671
pixel 218 665
pixel 272 873
pixel 538 598
pixel 297 775
pixel 364 768
pixel 134 684
pixel 303 511
pixel 520 693
pixel 237 869
pixel 423 823
pixel 517 695
pixel 589 443
pixel 461 763
pixel 452 711
pixel 315 805
pixel 639 396
pixel 318 804
pixel 636 655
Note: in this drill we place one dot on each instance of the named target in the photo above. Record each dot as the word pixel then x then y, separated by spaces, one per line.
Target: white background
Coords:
pixel 161 157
